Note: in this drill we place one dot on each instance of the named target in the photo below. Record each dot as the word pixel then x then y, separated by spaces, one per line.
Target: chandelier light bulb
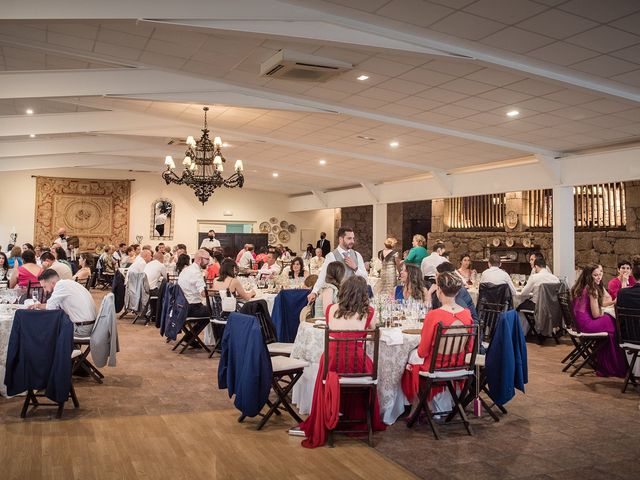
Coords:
pixel 217 160
pixel 239 166
pixel 187 161
pixel 217 141
pixel 190 141
pixel 168 160
pixel 220 168
pixel 193 167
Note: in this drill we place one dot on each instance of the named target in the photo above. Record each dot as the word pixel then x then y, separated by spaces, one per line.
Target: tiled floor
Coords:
pixel 562 428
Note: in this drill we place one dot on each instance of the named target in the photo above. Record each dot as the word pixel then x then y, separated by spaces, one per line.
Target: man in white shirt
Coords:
pixel 210 242
pixel 353 262
pixel 270 268
pixel 191 281
pixel 47 260
pixel 246 259
pixel 73 298
pixel 140 262
pixel 315 264
pixel 120 253
pixel 541 275
pixel 431 262
pixel 495 275
pixel 155 271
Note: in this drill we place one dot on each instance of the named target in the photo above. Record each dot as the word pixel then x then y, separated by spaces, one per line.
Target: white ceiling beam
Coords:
pixel 318 195
pixel 444 179
pixel 371 190
pixel 79 144
pixel 9 164
pixel 551 166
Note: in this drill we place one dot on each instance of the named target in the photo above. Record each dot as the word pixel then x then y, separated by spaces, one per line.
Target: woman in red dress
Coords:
pixel 352 312
pixel 450 313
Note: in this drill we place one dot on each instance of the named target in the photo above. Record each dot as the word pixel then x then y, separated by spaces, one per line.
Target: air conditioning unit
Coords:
pixel 290 65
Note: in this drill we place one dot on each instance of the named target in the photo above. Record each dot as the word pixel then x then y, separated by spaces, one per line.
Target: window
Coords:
pixel 600 206
pixel 479 212
pixel 539 208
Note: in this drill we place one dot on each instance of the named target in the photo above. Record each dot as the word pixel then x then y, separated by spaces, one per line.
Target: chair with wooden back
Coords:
pixel 628 333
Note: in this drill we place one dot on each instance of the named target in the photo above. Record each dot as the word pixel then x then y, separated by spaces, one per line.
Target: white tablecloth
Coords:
pixel 392 359
pixel 6 322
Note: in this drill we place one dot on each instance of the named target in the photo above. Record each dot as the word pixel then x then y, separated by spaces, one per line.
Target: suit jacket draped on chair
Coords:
pixel 104 338
pixel 286 313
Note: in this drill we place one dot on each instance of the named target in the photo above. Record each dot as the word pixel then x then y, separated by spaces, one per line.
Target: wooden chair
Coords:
pixel 218 321
pixel 192 328
pixel 452 361
pixel 351 353
pixel 585 345
pixel 269 333
pixel 628 333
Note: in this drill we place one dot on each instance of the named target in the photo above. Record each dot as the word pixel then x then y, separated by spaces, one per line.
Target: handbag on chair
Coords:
pixel 229 302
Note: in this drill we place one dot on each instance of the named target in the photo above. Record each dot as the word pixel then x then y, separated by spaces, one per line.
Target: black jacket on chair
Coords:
pixel 118 290
pixel 495 294
pixel 39 354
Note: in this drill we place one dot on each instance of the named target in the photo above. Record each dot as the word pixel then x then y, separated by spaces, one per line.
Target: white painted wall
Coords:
pixel 17 206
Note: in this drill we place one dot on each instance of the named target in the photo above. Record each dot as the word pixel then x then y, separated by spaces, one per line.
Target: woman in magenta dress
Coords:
pixel 352 312
pixel 589 297
pixel 27 273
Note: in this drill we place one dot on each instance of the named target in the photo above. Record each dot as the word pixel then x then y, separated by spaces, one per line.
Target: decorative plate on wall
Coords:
pixel 509 242
pixel 496 242
pixel 526 243
pixel 284 236
pixel 265 227
pixel 511 220
pixel 275 228
pixel 292 228
pixel 272 238
pixel 273 220
pixel 284 224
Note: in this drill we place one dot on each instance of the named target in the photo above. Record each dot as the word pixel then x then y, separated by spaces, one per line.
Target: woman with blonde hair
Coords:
pixel 418 251
pixel 389 270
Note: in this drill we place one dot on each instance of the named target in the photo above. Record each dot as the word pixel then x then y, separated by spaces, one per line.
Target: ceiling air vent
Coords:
pixel 290 65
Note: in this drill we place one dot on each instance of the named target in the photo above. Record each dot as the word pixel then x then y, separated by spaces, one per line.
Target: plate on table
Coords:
pixel 273 220
pixel 412 331
pixel 275 229
pixel 284 236
pixel 284 224
pixel 264 227
pixel 292 228
pixel 272 238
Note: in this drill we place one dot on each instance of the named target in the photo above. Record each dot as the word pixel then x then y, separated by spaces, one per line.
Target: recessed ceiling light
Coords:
pixel 32 135
pixel 394 144
pixel 322 162
pixel 513 113
pixel 29 111
pixel 275 174
pixel 362 78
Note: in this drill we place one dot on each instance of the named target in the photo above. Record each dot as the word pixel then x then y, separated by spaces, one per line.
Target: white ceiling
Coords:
pixel 122 89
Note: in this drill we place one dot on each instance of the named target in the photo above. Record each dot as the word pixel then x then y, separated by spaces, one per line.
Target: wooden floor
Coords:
pixel 160 415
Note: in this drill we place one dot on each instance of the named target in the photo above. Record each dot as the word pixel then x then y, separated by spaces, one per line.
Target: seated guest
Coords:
pixel 465 270
pixel 630 297
pixel 495 275
pixel 130 257
pixel 623 280
pixel 141 262
pixel 4 267
pixel 246 260
pixel 120 254
pixel 412 285
pixel 462 297
pixel 47 260
pixel 191 281
pixel 241 253
pixel 213 270
pixel 352 312
pixel 107 262
pixel 417 252
pixel 184 261
pixel 228 281
pixel 308 254
pixel 541 275
pixel 86 264
pixel 448 284
pixel 155 271
pixel 15 253
pixel 296 269
pixel 180 249
pixel 262 256
pixel 270 268
pixel 589 296
pixel 73 298
pixel 61 256
pixel 28 272
pixel 532 260
pixel 27 246
pixel 328 293
pixel 315 264
pixel 429 264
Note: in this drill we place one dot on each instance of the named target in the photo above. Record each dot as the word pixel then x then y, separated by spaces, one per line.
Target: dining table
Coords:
pixel 395 347
pixel 7 313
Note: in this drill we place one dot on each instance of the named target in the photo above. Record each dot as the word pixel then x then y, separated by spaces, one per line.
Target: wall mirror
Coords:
pixel 162 219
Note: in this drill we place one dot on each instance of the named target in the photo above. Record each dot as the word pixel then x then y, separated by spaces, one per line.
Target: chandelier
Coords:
pixel 203 166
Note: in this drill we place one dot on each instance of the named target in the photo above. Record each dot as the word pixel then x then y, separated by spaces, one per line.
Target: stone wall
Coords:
pixel 361 220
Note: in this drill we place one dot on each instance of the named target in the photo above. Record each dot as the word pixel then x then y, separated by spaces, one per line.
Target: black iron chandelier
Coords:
pixel 203 166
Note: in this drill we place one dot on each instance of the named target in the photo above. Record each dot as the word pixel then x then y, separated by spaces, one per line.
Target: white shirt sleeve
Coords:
pixel 361 270
pixel 323 272
pixel 527 291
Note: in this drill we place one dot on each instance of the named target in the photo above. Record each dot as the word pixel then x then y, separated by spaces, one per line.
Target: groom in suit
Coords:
pixel 324 244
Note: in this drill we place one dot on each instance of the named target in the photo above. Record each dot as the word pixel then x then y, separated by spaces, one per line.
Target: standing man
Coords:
pixel 353 262
pixel 210 242
pixel 324 244
pixel 62 240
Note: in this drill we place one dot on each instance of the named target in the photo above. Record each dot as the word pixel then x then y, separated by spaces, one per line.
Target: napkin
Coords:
pixel 392 336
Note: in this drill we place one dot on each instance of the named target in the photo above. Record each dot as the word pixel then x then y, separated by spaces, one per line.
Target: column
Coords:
pixel 379 227
pixel 564 254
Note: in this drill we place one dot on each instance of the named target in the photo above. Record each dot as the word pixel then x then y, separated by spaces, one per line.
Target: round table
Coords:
pixel 7 313
pixel 393 353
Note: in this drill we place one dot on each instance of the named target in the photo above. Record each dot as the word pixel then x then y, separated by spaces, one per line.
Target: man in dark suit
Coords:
pixel 630 297
pixel 324 244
